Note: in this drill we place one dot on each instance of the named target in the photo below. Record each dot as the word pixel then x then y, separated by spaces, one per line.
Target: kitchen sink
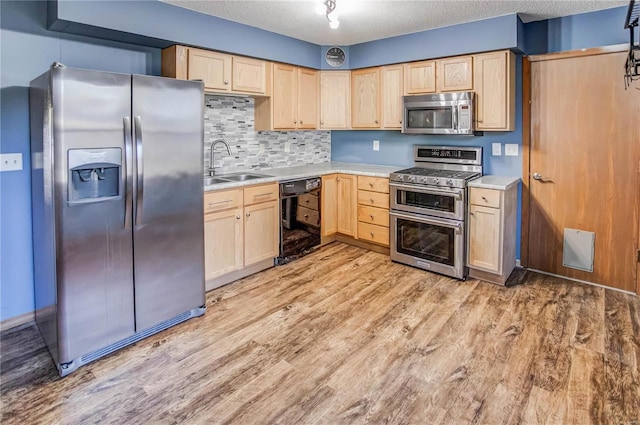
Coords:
pixel 233 177
pixel 240 177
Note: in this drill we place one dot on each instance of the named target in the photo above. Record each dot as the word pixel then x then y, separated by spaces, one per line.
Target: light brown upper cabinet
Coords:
pixel 494 83
pixel 455 74
pixel 420 77
pixel 365 98
pixel 220 72
pixel 392 88
pixel 335 99
pixel 293 103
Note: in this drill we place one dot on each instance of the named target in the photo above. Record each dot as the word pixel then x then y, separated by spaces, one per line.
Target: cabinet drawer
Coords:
pixel 222 199
pixel 373 199
pixel 373 215
pixel 373 233
pixel 308 200
pixel 260 193
pixel 484 197
pixel 308 216
pixel 374 184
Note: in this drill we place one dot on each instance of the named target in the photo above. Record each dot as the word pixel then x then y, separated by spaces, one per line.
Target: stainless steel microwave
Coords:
pixel 442 113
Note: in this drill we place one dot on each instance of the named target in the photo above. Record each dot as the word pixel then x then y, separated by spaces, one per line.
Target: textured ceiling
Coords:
pixel 366 20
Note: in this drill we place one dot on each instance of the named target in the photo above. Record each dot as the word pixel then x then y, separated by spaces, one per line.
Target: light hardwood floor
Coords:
pixel 345 336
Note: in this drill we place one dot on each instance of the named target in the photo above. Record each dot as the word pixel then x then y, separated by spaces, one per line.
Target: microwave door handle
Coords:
pixel 454 120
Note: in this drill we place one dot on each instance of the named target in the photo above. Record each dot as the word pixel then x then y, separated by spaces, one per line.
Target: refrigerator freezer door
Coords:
pixel 94 267
pixel 168 203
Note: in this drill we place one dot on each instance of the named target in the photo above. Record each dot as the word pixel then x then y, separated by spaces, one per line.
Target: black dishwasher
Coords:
pixel 299 218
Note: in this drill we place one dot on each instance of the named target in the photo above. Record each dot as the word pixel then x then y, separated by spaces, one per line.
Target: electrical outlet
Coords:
pixel 510 149
pixel 496 149
pixel 376 145
pixel 10 162
pixel 261 149
pixel 287 146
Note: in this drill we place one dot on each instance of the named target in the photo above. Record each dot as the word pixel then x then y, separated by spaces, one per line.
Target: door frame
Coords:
pixel 526 139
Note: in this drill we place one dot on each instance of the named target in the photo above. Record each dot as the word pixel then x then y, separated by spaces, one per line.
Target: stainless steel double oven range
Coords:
pixel 429 208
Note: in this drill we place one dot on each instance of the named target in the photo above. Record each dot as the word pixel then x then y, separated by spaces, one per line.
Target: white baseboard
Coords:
pixel 517 262
pixel 583 281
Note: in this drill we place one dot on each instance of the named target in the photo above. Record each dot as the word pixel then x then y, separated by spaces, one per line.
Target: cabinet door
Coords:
pixel 494 85
pixel 391 94
pixel 420 77
pixel 249 75
pixel 347 188
pixel 484 238
pixel 222 242
pixel 365 98
pixel 284 97
pixel 455 74
pixel 307 98
pixel 261 232
pixel 329 205
pixel 335 99
pixel 211 67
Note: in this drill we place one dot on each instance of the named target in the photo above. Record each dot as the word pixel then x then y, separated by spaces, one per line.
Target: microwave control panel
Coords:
pixel 464 117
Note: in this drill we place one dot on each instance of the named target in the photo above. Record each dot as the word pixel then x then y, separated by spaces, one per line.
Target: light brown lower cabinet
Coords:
pixel 241 231
pixel 491 244
pixel 339 207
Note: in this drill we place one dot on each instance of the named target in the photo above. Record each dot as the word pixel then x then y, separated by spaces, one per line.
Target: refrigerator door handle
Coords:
pixel 139 169
pixel 128 176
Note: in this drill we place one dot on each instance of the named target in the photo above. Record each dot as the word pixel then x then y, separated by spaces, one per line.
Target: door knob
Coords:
pixel 537 176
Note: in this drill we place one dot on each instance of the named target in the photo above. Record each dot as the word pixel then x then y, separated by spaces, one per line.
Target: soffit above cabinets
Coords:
pixel 367 20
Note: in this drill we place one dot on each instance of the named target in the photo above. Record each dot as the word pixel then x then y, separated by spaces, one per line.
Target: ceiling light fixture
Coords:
pixel 328 7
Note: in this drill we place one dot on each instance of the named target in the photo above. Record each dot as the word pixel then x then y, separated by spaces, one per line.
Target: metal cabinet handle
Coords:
pixel 248 214
pixel 484 198
pixel 371 234
pixel 376 121
pixel 538 176
pixel 371 215
pixel 226 82
pixel 306 216
pixel 371 184
pixel 220 202
pixel 237 217
pixel 262 194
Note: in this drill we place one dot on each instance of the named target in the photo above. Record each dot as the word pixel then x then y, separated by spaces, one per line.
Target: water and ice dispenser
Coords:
pixel 94 174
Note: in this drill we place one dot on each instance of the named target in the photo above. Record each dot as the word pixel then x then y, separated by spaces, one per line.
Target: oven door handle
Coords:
pixel 457 194
pixel 427 220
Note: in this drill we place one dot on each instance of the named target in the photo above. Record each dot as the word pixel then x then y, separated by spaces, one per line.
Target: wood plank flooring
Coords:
pixel 345 336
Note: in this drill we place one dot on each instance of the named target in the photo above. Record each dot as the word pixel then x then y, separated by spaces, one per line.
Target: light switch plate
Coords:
pixel 261 149
pixel 10 162
pixel 287 146
pixel 376 145
pixel 496 149
pixel 511 149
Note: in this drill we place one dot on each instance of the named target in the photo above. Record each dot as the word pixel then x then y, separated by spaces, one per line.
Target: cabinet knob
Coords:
pixel 226 82
pixel 337 179
pixel 295 122
pixel 484 198
pixel 306 201
pixel 371 184
pixel 400 121
pixel 300 122
pixel 471 213
pixel 371 234
pixel 376 121
pixel 371 215
pixel 248 214
pixel 237 217
pixel 306 216
pixel 479 120
pixel 371 200
pixel 321 122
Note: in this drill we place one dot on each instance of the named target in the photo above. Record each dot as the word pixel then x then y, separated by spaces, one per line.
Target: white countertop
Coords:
pixel 313 170
pixel 494 182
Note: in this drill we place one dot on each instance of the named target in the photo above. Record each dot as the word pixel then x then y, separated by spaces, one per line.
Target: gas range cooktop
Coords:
pixel 434 177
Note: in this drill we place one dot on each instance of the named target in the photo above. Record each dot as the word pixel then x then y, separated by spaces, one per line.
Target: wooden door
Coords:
pixel 329 205
pixel 484 238
pixel 365 98
pixel 307 113
pixel 222 242
pixel 249 75
pixel 391 95
pixel 585 144
pixel 261 232
pixel 455 74
pixel 213 68
pixel 420 77
pixel 347 186
pixel 494 85
pixel 284 96
pixel 335 99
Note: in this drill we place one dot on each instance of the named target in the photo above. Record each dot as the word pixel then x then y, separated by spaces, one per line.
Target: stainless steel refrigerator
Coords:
pixel 117 199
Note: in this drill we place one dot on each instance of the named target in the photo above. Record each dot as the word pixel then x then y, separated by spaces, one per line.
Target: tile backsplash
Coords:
pixel 232 119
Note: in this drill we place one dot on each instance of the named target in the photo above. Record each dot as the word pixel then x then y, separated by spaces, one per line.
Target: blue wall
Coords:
pixel 28 49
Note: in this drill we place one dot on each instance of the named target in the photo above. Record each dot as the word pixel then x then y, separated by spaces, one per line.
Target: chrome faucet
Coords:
pixel 212 146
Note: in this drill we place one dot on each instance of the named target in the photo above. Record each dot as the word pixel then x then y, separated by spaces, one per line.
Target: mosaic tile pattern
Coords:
pixel 231 118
